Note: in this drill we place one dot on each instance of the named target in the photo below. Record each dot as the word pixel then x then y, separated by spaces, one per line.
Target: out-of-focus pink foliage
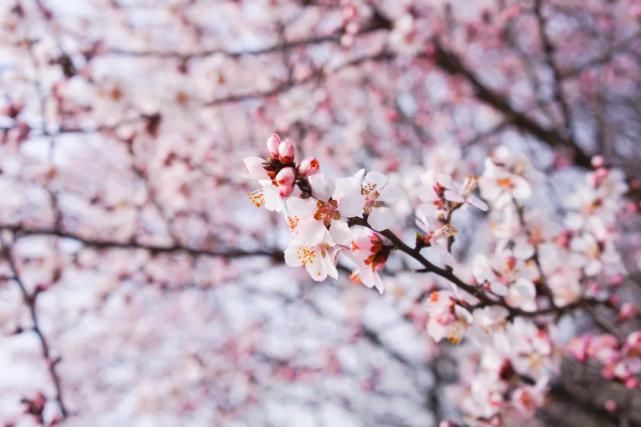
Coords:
pixel 474 162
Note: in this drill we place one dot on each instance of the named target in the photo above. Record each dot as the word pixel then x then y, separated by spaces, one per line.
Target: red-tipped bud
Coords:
pixel 308 167
pixel 611 406
pixel 286 176
pixel 272 144
pixel 628 311
pixel 631 383
pixel 285 190
pixel 597 161
pixel 286 151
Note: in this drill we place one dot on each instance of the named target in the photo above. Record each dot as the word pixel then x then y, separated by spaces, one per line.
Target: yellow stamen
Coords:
pixel 257 198
pixel 292 222
pixel 305 255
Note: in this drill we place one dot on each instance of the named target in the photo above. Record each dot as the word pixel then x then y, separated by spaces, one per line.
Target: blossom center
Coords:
pixel 305 255
pixel 371 194
pixel 327 212
pixel 379 254
pixel 292 222
pixel 505 183
pixel 257 198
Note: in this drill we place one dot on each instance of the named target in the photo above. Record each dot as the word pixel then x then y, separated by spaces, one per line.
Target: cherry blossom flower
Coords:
pixel 376 193
pixel 527 399
pixel 564 282
pixel 594 256
pixel 447 318
pixel 507 276
pixel 531 349
pixel 506 176
pixel 440 189
pixel 369 254
pixel 491 319
pixel 435 239
pixel 276 174
pixel 319 260
pixel 348 192
pixel 405 36
pixel 319 218
pixel 314 221
pixel 596 204
pixel 269 194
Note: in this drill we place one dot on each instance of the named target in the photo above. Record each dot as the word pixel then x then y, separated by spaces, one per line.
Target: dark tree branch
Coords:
pixel 97 243
pixel 450 63
pixel 548 53
pixel 484 299
pixel 30 301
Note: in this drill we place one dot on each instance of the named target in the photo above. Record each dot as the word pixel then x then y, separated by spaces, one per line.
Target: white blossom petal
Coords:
pixel 375 178
pixel 291 256
pixel 340 232
pixel 311 233
pixel 322 188
pixel 453 196
pixel 390 194
pixel 477 203
pixel 522 189
pixel 273 201
pixel 499 288
pixel 351 205
pixel 302 208
pixel 255 168
pixel 380 218
pixel 316 269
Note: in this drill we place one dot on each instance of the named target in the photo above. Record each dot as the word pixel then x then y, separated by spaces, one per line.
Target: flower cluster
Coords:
pixel 536 262
pixel 506 379
pixel 620 359
pixel 278 174
pixel 320 213
pixel 448 318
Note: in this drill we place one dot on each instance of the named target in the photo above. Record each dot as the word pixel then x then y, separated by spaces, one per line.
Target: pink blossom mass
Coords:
pixel 345 213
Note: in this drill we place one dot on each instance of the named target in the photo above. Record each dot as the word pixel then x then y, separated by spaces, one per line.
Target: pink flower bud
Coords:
pixel 631 383
pixel 628 311
pixel 634 340
pixel 286 151
pixel 597 161
pixel 285 190
pixel 286 176
pixel 272 144
pixel 630 207
pixel 617 280
pixel 308 167
pixel 611 406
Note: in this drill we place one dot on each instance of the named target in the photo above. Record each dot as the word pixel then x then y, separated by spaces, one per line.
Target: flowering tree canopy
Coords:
pixel 441 225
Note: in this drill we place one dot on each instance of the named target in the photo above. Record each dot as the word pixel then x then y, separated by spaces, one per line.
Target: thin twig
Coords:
pixel 30 301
